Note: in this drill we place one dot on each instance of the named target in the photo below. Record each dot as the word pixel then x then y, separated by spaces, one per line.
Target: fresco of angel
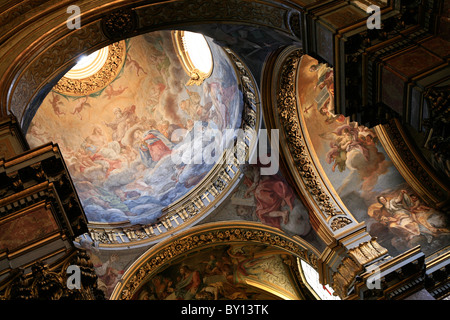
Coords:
pixel 346 138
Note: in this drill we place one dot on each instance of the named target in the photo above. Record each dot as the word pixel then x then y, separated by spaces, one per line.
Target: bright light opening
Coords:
pixel 88 65
pixel 198 50
pixel 312 279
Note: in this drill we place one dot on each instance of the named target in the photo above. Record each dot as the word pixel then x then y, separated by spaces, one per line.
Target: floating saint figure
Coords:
pixel 154 147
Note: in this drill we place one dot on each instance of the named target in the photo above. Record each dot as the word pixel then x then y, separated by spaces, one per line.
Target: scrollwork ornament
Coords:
pixel 287 112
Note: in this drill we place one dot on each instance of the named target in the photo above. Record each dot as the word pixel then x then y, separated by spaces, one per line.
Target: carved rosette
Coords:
pixel 265 13
pixel 205 236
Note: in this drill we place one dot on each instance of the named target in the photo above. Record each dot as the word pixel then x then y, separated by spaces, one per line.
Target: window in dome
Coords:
pixel 88 65
pixel 195 55
pixel 311 278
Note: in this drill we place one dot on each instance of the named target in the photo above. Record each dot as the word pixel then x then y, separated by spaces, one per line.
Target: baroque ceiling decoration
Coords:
pixel 205 236
pixel 97 75
pixel 120 175
pixel 301 157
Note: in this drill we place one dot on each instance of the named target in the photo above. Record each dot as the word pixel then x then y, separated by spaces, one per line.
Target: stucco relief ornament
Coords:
pixel 287 111
pixel 119 24
pixel 99 80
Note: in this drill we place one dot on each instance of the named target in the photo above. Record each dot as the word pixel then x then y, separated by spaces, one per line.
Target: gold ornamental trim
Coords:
pixel 101 79
pixel 49 281
pixel 40 56
pixel 282 111
pixel 204 236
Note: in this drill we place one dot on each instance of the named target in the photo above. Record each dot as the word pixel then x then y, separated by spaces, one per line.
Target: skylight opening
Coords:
pixel 198 50
pixel 311 278
pixel 88 65
pixel 195 55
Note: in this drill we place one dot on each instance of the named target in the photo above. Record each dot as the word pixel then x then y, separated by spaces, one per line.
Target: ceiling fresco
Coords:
pixel 361 172
pixel 119 143
pixel 270 200
pixel 232 272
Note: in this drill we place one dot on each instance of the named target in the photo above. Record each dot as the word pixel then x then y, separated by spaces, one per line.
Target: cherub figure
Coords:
pixel 111 92
pixel 135 64
pixel 56 103
pixel 80 106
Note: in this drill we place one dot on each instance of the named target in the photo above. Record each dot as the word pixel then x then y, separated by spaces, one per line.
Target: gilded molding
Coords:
pixel 101 79
pixel 299 157
pixel 287 110
pixel 49 282
pixel 206 235
pixel 367 252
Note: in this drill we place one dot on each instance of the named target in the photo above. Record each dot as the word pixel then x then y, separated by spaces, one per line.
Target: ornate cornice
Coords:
pixel 203 236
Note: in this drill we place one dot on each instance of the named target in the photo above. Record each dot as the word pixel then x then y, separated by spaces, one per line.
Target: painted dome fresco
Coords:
pixel 131 134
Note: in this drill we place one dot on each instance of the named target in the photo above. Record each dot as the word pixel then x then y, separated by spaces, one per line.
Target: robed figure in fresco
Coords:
pixel 271 195
pixel 154 147
pixel 187 285
pixel 403 221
